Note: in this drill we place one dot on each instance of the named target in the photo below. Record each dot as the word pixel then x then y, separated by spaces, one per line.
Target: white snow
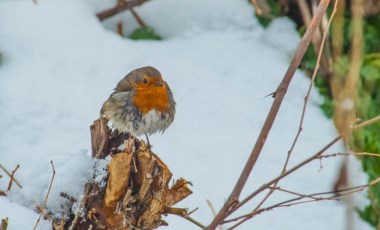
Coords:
pixel 347 104
pixel 61 63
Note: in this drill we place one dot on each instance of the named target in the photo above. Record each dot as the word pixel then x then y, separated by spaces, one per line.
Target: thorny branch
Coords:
pixel 279 96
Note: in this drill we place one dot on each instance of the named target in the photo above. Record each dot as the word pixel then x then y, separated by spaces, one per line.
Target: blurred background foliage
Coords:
pixel 336 62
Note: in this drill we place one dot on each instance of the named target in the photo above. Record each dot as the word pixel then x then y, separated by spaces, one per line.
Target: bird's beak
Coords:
pixel 158 83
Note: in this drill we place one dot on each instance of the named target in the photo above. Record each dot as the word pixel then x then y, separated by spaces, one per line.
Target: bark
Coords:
pixel 137 193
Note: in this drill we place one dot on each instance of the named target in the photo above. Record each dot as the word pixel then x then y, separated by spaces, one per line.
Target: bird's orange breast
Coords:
pixel 151 97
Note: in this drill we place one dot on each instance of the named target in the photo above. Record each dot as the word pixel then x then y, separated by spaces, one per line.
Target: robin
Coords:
pixel 141 103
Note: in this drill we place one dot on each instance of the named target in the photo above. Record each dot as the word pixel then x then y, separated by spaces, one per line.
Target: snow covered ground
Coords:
pixel 61 63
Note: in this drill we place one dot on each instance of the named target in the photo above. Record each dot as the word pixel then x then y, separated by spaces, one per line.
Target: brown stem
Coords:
pixel 12 178
pixel 137 17
pixel 47 196
pixel 344 111
pixel 10 175
pixel 279 96
pixel 292 202
pixel 337 38
pixel 186 217
pixel 122 6
pixel 295 168
pixel 318 155
pixel 306 100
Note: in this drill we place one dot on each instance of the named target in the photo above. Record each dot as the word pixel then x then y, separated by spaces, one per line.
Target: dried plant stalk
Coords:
pixel 344 112
pixel 4 224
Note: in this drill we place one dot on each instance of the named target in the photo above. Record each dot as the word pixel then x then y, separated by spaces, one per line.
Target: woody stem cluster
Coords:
pixel 279 95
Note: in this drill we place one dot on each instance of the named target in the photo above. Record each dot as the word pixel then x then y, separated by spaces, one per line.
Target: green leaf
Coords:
pixel 368 216
pixel 144 33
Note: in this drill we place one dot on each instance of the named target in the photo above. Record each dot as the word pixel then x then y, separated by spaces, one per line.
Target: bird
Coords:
pixel 141 104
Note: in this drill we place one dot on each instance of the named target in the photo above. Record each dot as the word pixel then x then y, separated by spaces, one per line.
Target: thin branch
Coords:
pixel 211 207
pixel 317 155
pixel 137 18
pixel 187 217
pixel 296 193
pixel 350 154
pixel 306 100
pixel 68 197
pixel 279 96
pixel 213 211
pixel 47 196
pixel 10 175
pixel 202 226
pixel 317 38
pixel 192 211
pixel 122 6
pixel 293 169
pixel 292 202
pixel 367 123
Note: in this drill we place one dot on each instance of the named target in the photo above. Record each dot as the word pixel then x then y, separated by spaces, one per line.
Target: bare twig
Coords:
pixel 317 155
pixel 4 224
pixel 202 226
pixel 192 211
pixel 211 207
pixel 187 217
pixel 137 17
pixel 68 197
pixel 213 211
pixel 367 123
pixel 350 154
pixel 295 193
pixel 306 99
pixel 279 96
pixel 122 6
pixel 47 196
pixel 293 169
pixel 321 43
pixel 10 175
pixel 334 196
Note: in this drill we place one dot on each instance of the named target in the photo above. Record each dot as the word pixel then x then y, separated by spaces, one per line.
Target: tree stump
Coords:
pixel 137 191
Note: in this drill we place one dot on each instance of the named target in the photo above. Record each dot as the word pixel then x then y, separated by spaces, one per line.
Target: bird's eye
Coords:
pixel 145 81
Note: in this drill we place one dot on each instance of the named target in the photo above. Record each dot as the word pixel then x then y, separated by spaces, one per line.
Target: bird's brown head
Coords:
pixel 151 91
